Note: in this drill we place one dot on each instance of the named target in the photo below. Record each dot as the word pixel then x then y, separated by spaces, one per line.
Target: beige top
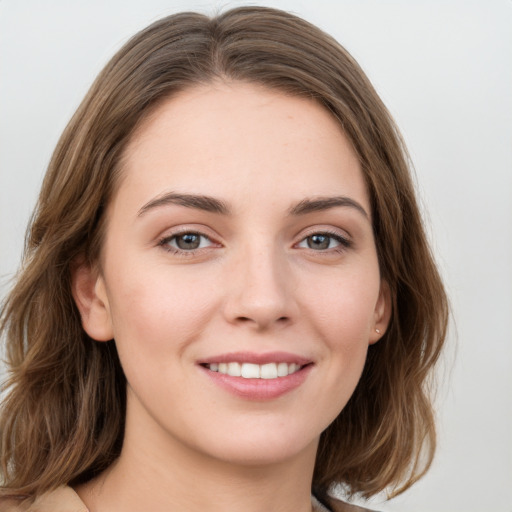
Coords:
pixel 65 499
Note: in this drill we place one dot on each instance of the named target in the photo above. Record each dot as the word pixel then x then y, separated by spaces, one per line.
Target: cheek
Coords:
pixel 158 311
pixel 343 308
pixel 344 321
pixel 341 311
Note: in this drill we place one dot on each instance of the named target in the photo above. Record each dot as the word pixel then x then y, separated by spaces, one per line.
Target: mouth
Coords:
pixel 267 371
pixel 257 376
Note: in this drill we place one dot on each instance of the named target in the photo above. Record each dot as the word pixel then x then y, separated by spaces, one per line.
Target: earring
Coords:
pixel 377 331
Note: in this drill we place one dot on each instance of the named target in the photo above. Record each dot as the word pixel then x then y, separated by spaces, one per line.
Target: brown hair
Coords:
pixel 62 418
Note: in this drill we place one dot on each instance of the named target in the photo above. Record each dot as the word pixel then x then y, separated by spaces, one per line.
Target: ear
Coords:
pixel 382 314
pixel 89 292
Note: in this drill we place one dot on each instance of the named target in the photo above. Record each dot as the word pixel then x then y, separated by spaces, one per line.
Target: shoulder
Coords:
pixel 63 499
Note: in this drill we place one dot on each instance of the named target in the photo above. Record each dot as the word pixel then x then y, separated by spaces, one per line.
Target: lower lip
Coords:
pixel 259 389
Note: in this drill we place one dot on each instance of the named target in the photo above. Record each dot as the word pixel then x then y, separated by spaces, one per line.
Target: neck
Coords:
pixel 155 472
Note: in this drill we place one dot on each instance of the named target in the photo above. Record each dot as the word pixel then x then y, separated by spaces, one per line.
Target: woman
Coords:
pixel 228 301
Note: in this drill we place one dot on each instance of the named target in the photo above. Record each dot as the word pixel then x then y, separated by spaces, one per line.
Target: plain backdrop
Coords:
pixel 444 68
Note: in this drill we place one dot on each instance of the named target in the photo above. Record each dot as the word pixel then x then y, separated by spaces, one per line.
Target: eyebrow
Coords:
pixel 199 202
pixel 211 204
pixel 325 203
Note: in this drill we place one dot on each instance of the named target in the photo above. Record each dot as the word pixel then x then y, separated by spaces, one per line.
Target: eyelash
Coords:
pixel 343 242
pixel 164 243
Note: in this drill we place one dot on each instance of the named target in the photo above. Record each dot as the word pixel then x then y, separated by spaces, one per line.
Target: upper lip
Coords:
pixel 255 358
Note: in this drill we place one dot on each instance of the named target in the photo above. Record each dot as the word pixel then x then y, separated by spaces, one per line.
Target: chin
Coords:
pixel 259 446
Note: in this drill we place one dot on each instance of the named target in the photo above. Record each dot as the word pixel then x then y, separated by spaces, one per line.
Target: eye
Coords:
pixel 186 242
pixel 324 241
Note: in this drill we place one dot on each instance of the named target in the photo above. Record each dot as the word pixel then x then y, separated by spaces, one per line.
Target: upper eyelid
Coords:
pixel 325 230
pixel 188 228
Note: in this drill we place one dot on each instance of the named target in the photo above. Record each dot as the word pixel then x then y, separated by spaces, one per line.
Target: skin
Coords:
pixel 259 282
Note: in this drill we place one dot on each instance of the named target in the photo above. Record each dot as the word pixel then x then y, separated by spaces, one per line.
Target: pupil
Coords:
pixel 188 241
pixel 318 242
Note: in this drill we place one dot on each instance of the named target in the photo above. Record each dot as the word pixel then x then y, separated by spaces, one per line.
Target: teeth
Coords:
pixel 250 371
pixel 268 371
pixel 234 369
pixel 282 370
pixel 255 371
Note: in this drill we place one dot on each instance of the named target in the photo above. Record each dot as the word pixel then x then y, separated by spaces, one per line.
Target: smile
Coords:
pixel 259 377
pixel 255 371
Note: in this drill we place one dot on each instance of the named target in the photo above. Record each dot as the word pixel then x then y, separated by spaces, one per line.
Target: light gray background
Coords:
pixel 444 68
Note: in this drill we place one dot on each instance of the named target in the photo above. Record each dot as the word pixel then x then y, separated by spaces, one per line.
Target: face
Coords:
pixel 239 274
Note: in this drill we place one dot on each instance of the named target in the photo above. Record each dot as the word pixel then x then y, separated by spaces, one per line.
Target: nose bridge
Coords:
pixel 260 286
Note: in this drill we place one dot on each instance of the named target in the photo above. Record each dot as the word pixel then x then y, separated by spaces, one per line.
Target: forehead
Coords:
pixel 224 139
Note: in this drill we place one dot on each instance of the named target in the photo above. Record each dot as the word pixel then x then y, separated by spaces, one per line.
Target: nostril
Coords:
pixel 244 319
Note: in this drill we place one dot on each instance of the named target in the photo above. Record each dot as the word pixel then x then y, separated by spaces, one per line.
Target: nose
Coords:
pixel 260 290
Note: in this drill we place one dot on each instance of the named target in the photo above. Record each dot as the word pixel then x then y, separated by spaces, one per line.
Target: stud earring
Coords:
pixel 377 331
